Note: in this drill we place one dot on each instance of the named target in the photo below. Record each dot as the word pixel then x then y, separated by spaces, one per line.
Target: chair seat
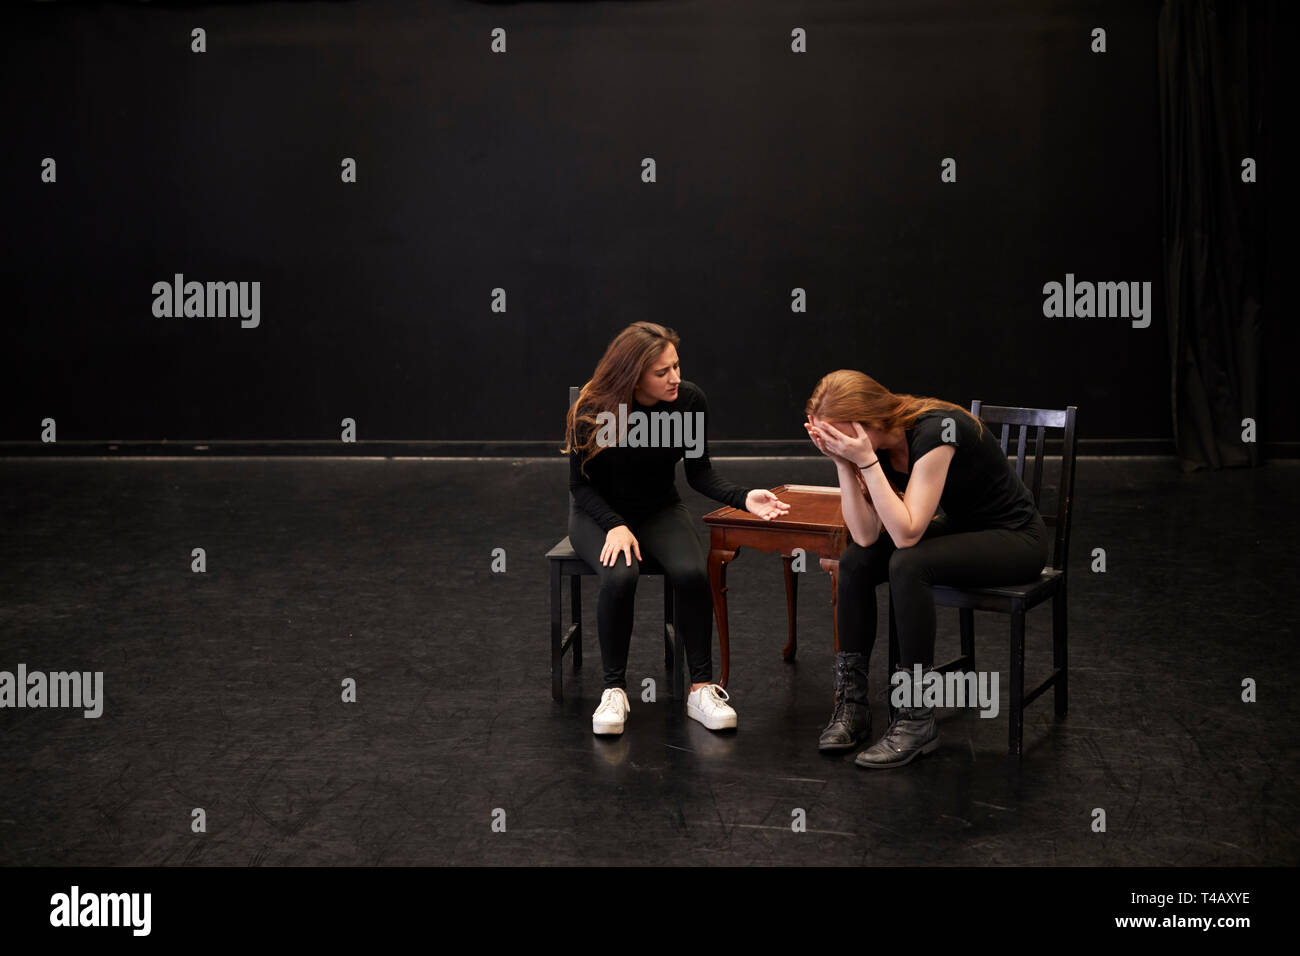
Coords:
pixel 563 551
pixel 1030 592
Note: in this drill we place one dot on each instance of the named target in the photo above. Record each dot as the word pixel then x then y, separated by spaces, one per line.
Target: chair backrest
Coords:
pixel 574 391
pixel 1041 419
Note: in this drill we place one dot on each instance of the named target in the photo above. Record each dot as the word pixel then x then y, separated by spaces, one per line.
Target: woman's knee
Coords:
pixel 857 561
pixel 907 564
pixel 620 578
pixel 692 579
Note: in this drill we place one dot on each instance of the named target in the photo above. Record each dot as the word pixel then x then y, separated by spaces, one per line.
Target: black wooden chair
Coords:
pixel 1016 599
pixel 565 562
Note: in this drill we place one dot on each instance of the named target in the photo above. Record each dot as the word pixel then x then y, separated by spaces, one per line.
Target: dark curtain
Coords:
pixel 1213 72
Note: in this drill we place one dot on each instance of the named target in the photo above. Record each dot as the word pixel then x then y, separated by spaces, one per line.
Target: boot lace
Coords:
pixel 841 691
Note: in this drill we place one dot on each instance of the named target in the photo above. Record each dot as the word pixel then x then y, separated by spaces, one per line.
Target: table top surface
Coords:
pixel 812 508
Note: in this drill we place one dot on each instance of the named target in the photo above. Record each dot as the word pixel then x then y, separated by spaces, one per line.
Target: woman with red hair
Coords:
pixel 989 533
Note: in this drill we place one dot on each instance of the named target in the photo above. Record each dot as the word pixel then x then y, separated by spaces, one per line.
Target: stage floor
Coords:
pixel 223 690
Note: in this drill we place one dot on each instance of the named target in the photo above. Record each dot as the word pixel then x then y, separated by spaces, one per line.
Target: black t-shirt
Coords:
pixel 626 484
pixel 981 490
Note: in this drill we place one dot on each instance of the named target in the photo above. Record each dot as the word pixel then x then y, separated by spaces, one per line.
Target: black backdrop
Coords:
pixel 1215 108
pixel 522 171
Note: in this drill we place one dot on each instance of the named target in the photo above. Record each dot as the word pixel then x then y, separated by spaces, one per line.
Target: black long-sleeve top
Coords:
pixel 624 485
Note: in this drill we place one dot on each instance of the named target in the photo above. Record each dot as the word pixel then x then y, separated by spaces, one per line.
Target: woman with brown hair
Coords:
pixel 625 500
pixel 990 533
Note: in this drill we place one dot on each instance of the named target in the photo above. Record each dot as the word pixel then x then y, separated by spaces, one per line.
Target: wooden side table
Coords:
pixel 813 522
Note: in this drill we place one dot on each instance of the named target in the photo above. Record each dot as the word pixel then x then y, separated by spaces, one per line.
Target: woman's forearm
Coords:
pixel 890 509
pixel 859 517
pixel 712 485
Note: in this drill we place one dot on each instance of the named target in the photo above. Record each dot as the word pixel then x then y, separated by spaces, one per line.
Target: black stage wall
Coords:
pixel 523 171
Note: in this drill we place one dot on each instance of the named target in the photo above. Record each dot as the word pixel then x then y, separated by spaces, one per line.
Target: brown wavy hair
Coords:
pixel 617 373
pixel 846 395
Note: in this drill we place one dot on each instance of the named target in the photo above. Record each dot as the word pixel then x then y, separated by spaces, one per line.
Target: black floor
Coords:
pixel 223 689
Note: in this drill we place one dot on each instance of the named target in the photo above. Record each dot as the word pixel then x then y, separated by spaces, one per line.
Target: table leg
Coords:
pixel 791 606
pixel 832 567
pixel 718 561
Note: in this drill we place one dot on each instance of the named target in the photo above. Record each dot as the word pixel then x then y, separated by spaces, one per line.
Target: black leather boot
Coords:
pixel 914 731
pixel 851 719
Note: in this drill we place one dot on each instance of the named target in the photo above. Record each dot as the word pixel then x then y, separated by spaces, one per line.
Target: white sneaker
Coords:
pixel 709 706
pixel 612 712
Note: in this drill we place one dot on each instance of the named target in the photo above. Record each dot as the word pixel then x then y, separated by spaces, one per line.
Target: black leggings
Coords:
pixel 669 536
pixel 942 556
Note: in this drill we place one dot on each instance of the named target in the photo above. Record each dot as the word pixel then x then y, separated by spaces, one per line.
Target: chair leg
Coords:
pixel 557 653
pixel 1016 726
pixel 575 618
pixel 1059 658
pixel 967 618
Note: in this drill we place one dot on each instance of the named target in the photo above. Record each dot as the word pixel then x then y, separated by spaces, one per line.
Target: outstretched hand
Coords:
pixel 766 505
